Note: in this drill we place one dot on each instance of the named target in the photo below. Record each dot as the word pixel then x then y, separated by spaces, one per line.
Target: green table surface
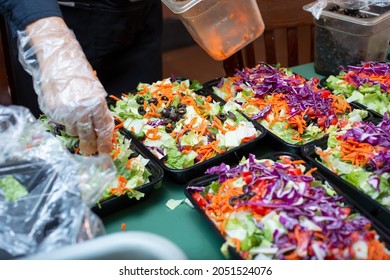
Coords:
pixel 184 226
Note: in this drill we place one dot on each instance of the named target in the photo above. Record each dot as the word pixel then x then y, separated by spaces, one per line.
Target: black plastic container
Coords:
pixel 183 176
pixel 274 141
pixel 383 231
pixel 117 203
pixel 381 214
pixel 38 178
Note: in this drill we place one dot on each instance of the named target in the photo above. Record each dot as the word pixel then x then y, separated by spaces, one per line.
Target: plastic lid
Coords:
pixel 180 6
pixel 373 18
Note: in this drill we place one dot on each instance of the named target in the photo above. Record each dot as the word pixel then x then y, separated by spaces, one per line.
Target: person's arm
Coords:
pixel 68 91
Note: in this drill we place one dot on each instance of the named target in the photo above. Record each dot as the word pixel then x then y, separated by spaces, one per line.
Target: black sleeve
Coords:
pixel 19 13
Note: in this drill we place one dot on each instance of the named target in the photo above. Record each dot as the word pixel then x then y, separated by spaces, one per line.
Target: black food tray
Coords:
pixel 182 176
pixel 117 203
pixel 275 141
pixel 38 178
pixel 205 180
pixel 381 214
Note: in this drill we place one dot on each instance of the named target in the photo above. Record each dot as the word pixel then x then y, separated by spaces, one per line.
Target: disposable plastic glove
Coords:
pixel 68 90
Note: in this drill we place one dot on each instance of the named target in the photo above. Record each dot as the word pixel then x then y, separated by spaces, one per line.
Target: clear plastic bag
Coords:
pixel 45 191
pixel 317 7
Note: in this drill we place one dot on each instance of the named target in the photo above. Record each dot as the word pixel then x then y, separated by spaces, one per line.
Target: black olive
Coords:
pixel 167 121
pixel 246 196
pixel 140 100
pixel 233 200
pixel 169 129
pixel 57 129
pixel 181 110
pixel 171 108
pixel 153 100
pixel 307 119
pixel 222 117
pixel 181 105
pixel 211 137
pixel 165 113
pixel 388 180
pixel 164 98
pixel 334 8
pixel 251 194
pixel 369 167
pixel 141 110
pixel 232 115
pixel 173 116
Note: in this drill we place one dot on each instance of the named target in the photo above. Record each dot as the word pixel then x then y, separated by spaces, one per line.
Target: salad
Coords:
pixel 131 168
pixel 368 84
pixel 179 126
pixel 360 154
pixel 291 107
pixel 11 188
pixel 279 209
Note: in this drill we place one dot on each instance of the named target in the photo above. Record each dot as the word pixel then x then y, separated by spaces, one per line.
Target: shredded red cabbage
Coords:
pixel 368 132
pixel 296 202
pixel 367 68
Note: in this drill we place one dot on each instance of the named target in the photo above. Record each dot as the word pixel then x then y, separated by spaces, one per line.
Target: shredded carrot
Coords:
pixel 376 251
pixel 310 171
pixel 152 134
pixel 114 97
pixel 325 158
pixel 128 163
pixel 218 124
pixel 118 126
pixel 115 155
pixel 355 152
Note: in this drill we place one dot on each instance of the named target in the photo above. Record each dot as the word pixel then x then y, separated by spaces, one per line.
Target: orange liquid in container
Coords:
pixel 222 27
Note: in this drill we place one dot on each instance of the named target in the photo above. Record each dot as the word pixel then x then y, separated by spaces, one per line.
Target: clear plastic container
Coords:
pixel 220 27
pixel 349 39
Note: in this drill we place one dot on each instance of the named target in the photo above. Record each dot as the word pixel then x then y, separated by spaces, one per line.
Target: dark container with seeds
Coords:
pixel 349 36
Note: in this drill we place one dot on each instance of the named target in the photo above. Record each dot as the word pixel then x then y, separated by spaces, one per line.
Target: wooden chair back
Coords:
pixel 288 37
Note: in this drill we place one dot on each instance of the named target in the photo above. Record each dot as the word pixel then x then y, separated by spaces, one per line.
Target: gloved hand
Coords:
pixel 68 90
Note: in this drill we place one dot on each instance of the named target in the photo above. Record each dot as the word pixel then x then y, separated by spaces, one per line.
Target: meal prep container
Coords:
pixel 47 214
pixel 117 203
pixel 274 141
pixel 183 176
pixel 29 174
pixel 381 214
pixel 347 40
pixel 207 179
pixel 220 27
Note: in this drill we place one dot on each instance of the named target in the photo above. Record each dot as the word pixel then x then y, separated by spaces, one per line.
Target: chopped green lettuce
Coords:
pixel 12 189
